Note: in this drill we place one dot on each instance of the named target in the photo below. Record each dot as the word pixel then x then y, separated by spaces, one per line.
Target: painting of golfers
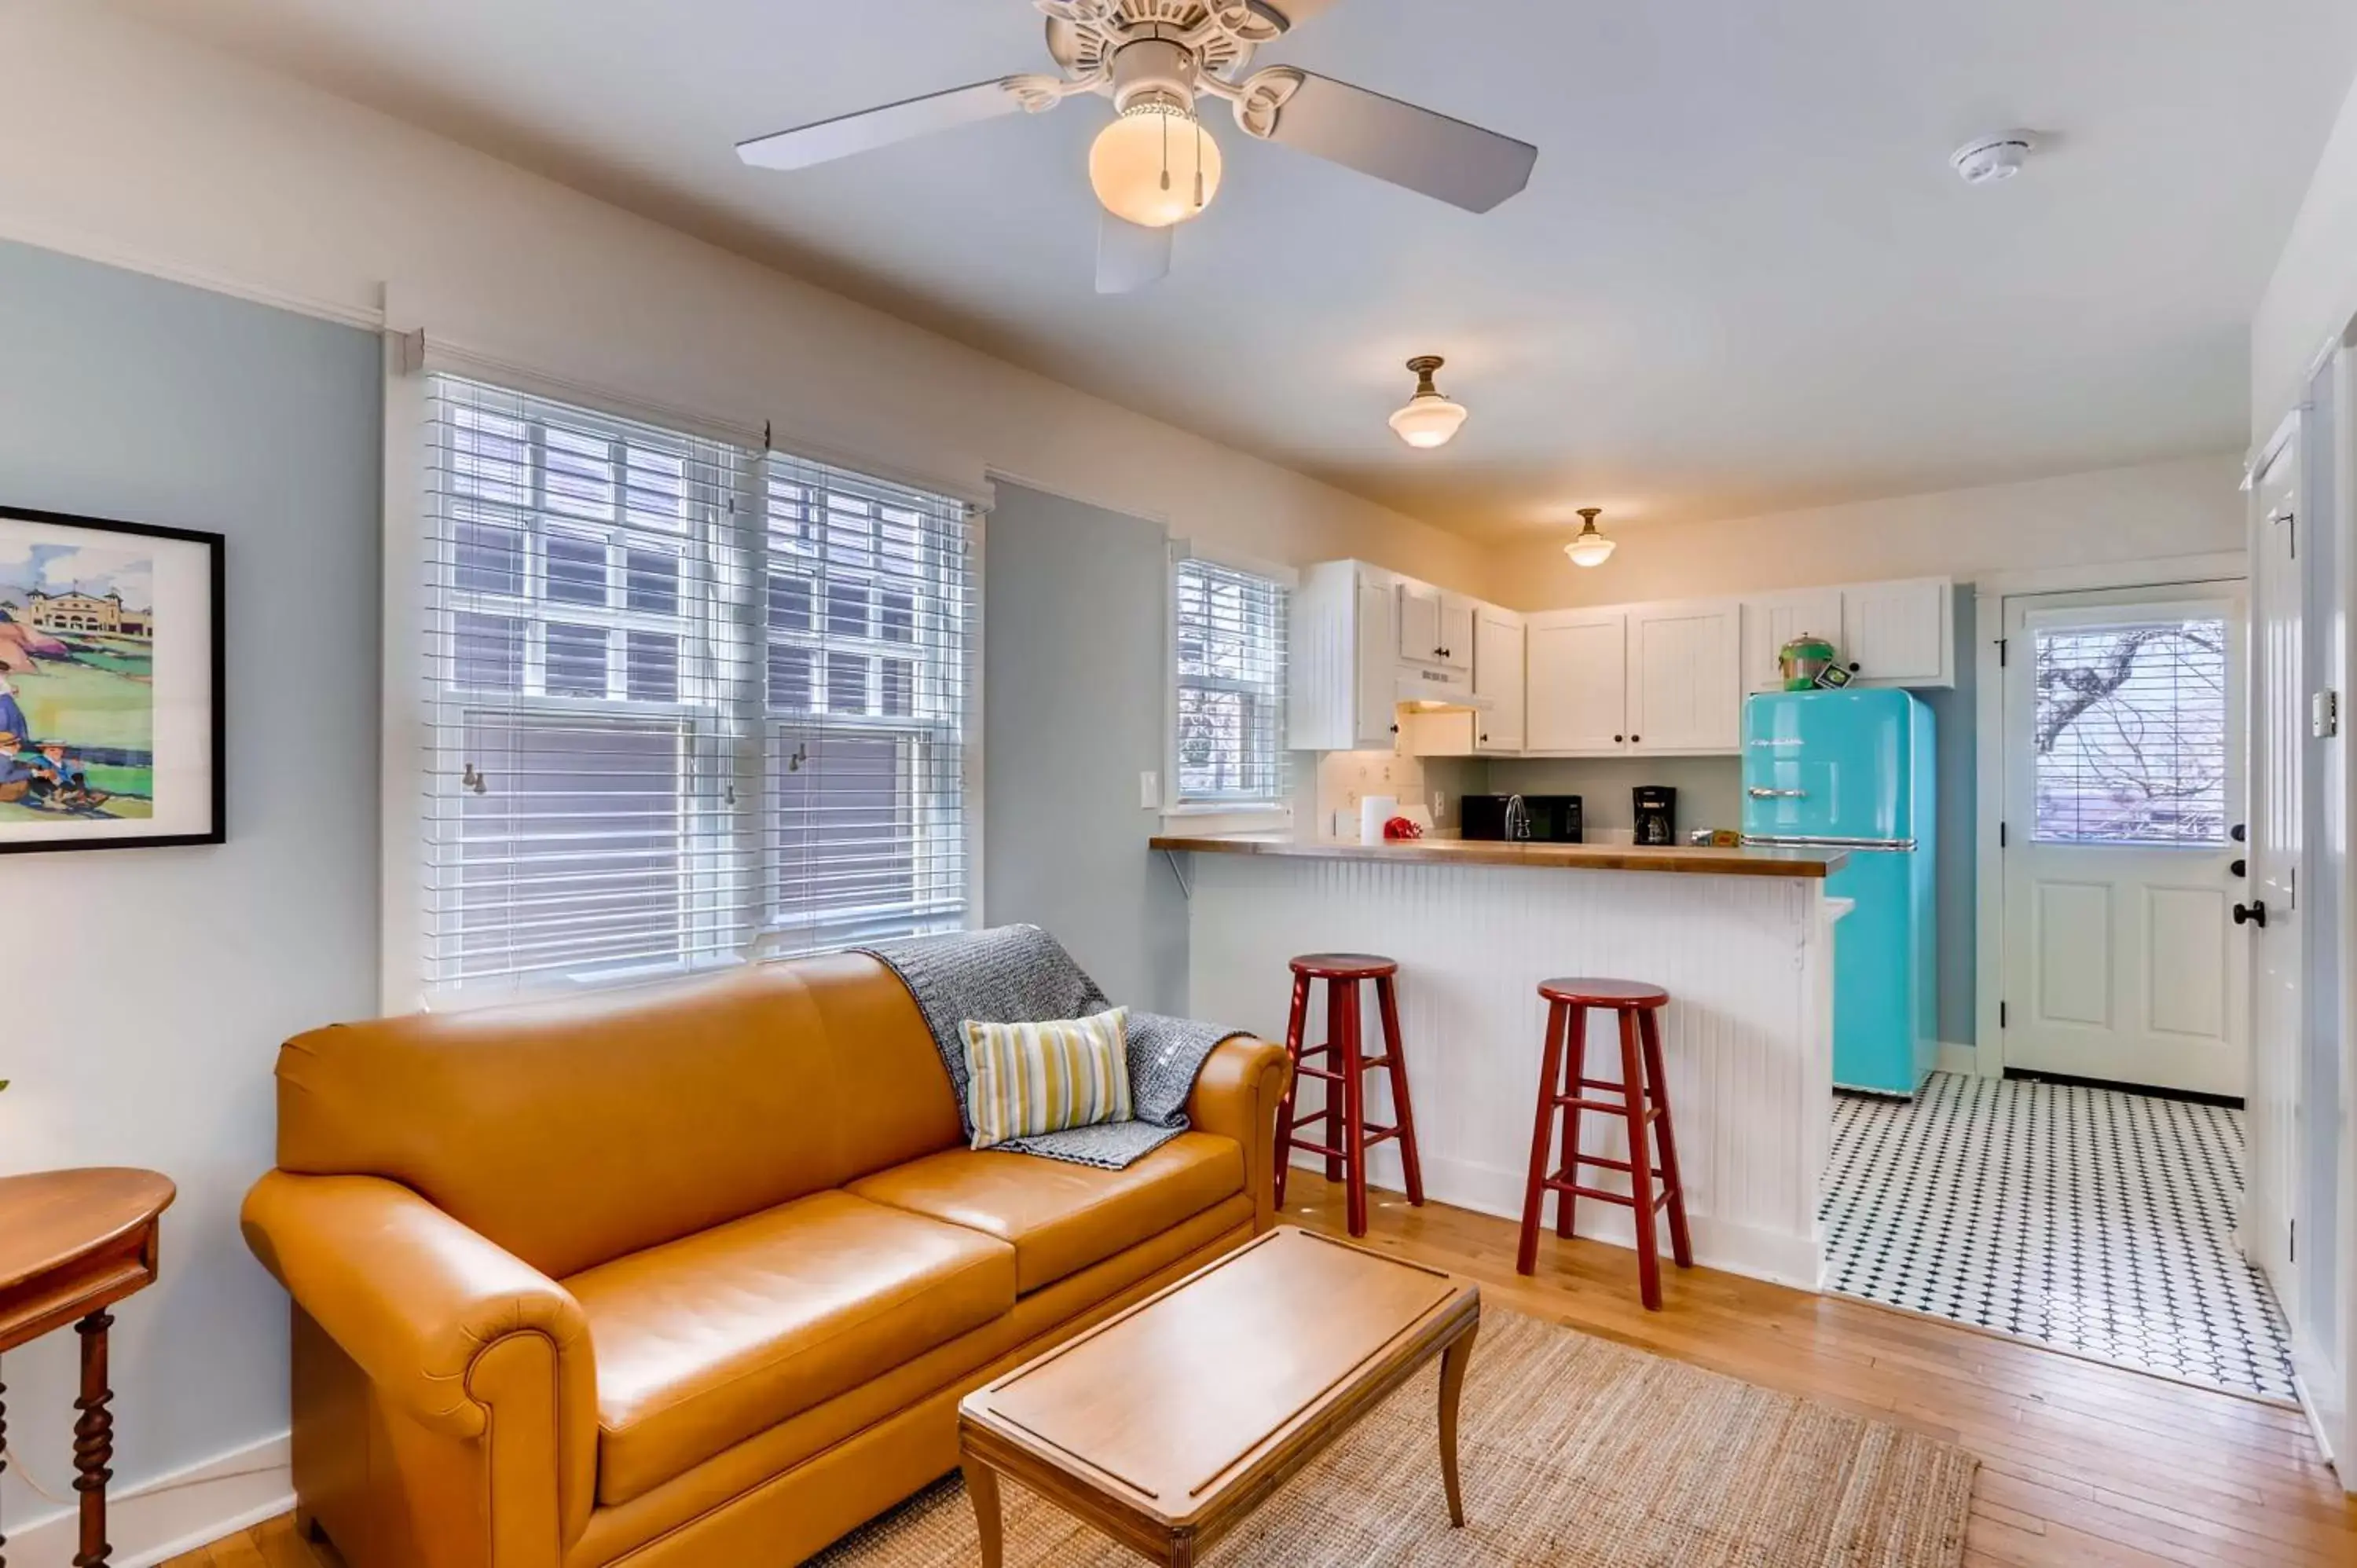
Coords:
pixel 77 679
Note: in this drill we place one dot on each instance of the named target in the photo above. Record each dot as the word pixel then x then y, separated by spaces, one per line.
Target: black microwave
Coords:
pixel 1545 819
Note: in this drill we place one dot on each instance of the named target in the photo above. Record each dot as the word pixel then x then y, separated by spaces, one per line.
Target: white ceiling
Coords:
pixel 1743 278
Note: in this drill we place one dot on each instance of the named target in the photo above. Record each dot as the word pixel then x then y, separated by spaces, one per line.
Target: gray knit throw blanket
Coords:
pixel 1020 974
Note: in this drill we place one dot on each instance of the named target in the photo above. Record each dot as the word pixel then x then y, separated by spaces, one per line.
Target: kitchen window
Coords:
pixel 1230 723
pixel 683 700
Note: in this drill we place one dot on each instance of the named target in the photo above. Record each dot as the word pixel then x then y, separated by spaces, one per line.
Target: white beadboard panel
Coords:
pixel 1747 1037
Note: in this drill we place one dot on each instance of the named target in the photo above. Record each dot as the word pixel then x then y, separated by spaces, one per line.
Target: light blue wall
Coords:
pixel 148 988
pixel 1076 662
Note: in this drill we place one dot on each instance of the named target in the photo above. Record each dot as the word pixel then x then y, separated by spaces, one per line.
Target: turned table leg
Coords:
pixel 94 1441
pixel 982 1484
pixel 1453 1362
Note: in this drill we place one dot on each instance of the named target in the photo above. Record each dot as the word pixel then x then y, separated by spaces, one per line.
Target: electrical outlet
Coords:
pixel 1149 791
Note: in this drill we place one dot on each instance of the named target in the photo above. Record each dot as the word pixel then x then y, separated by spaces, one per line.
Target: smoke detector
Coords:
pixel 1985 160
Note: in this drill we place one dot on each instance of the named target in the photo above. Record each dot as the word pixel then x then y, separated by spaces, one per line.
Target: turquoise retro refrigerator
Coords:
pixel 1853 770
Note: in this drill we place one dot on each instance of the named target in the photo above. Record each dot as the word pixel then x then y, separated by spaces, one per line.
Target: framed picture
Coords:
pixel 112 668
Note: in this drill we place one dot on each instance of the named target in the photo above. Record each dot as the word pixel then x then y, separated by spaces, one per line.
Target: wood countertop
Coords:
pixel 1815 863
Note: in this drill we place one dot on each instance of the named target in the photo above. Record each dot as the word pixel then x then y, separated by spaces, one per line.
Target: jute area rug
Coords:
pixel 1575 1451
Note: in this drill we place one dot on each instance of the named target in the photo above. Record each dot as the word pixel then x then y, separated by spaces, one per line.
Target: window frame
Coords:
pixel 1261 814
pixel 726 732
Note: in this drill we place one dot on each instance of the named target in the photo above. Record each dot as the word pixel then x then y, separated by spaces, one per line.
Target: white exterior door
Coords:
pixel 2278 731
pixel 1685 685
pixel 2123 755
pixel 1498 677
pixel 1578 694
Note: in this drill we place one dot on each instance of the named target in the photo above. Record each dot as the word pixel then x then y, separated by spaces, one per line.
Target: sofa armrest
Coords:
pixel 1236 1096
pixel 452 1331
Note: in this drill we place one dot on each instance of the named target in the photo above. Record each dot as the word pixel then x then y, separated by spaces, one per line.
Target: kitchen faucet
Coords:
pixel 1518 819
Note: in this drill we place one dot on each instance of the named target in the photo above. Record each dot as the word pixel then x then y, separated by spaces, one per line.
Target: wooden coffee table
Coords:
pixel 1165 1425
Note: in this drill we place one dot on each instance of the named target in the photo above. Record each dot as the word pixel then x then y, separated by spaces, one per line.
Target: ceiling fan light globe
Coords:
pixel 1591 549
pixel 1428 421
pixel 1155 165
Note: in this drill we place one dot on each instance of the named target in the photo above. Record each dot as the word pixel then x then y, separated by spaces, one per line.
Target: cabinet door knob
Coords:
pixel 1636 740
pixel 1619 739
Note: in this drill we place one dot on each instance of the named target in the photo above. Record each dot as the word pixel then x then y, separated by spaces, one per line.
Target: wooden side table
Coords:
pixel 72 1243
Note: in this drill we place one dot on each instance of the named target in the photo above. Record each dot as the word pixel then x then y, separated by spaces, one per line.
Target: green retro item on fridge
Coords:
pixel 1805 659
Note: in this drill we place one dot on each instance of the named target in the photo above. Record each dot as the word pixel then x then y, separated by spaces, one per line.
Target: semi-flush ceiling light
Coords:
pixel 1592 548
pixel 1429 420
pixel 1155 165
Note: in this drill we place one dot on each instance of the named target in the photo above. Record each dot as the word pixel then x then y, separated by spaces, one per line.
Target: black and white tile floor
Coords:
pixel 2096 1222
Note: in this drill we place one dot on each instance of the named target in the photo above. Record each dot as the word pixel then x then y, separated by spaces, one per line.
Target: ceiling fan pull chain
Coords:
pixel 1166 150
pixel 1200 198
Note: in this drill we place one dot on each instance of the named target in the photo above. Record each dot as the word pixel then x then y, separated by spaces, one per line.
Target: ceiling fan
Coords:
pixel 1154 167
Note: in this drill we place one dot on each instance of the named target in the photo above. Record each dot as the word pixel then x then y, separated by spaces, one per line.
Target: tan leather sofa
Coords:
pixel 692 1276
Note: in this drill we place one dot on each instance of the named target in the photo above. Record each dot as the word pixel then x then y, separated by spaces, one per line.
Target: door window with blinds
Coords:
pixel 683 698
pixel 1230 629
pixel 2131 740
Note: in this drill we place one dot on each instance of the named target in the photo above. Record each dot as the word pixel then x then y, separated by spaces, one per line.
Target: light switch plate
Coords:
pixel 1149 791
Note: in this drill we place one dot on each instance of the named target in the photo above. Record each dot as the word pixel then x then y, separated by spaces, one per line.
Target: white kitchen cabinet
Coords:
pixel 1419 624
pixel 1685 678
pixel 1374 688
pixel 1772 621
pixel 1351 624
pixel 1457 617
pixel 1499 679
pixel 1577 690
pixel 1902 633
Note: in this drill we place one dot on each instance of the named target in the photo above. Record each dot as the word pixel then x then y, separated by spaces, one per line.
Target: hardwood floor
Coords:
pixel 2082 1465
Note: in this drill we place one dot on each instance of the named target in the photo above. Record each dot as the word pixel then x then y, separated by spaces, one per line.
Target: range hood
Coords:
pixel 1439 691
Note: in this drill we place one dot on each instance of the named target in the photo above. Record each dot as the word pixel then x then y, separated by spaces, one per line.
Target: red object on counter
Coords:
pixel 1402 828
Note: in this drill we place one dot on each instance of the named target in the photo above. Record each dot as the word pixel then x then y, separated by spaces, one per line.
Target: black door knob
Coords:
pixel 2238 832
pixel 2252 914
pixel 2240 867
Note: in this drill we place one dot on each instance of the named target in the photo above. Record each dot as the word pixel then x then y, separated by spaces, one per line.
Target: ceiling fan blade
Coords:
pixel 1425 151
pixel 828 140
pixel 1130 255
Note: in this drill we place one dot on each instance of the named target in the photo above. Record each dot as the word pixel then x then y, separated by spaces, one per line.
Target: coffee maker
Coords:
pixel 1657 814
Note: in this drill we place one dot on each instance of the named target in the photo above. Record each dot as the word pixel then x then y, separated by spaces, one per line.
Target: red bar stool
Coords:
pixel 1643 1102
pixel 1348 1137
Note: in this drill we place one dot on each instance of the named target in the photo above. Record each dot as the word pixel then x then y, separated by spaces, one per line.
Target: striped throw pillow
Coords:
pixel 1023 1080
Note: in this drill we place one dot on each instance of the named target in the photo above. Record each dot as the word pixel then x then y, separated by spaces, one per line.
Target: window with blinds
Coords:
pixel 681 698
pixel 1230 630
pixel 2131 739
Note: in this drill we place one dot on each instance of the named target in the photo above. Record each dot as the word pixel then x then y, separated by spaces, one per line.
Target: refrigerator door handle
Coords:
pixel 1757 793
pixel 1772 841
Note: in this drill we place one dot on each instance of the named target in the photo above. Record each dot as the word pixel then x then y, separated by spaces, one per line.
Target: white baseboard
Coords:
pixel 171 1514
pixel 1955 1058
pixel 1780 1259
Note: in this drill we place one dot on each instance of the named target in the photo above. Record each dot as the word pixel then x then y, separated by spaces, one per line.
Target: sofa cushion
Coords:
pixel 1062 1218
pixel 700 1343
pixel 573 1133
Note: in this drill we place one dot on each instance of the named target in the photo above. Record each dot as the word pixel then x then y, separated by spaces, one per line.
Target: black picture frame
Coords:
pixel 215 546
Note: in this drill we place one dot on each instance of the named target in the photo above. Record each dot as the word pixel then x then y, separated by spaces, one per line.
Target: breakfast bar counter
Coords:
pixel 1742 939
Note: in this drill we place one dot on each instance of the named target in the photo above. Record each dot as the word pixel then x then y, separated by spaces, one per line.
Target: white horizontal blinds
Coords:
pixel 588 603
pixel 1231 673
pixel 868 611
pixel 2131 739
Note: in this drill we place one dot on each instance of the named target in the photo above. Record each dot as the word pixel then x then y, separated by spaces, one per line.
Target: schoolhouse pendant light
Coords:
pixel 1429 420
pixel 1592 548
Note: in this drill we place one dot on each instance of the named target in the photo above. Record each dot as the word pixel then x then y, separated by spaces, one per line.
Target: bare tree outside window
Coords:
pixel 2131 734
